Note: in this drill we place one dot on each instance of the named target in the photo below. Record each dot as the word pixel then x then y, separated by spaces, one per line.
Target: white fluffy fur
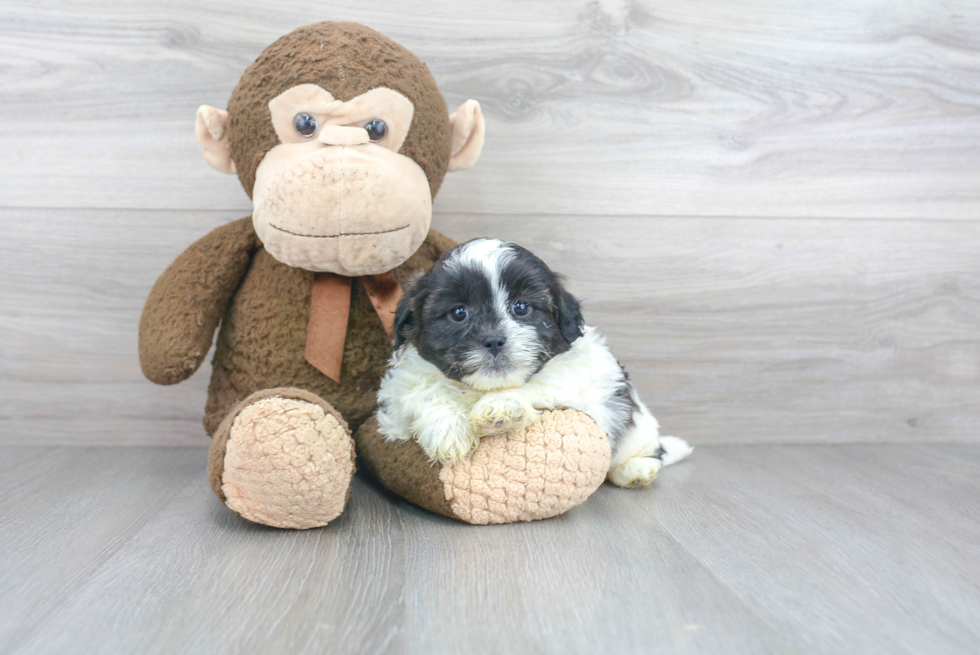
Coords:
pixel 447 417
pixel 417 401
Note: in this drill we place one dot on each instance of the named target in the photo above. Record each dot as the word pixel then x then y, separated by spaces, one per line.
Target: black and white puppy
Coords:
pixel 486 340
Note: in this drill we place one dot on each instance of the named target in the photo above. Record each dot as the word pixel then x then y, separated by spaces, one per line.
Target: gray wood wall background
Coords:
pixel 771 208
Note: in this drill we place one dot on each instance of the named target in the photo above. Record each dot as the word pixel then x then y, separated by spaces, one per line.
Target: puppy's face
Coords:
pixel 489 314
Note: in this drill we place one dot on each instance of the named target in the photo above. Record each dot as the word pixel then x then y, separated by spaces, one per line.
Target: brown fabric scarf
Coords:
pixel 330 311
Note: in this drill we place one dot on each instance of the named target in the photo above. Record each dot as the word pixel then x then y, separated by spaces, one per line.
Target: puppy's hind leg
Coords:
pixel 640 452
pixel 636 457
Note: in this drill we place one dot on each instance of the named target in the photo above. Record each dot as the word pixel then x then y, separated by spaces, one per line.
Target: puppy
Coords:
pixel 486 340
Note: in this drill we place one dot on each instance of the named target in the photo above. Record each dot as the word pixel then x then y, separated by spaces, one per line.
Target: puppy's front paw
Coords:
pixel 497 413
pixel 635 472
pixel 451 445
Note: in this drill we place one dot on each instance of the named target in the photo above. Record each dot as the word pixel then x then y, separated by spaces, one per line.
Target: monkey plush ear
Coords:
pixel 469 129
pixel 211 130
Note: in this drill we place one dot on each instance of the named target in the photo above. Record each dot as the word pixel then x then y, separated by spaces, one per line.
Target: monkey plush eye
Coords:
pixel 459 314
pixel 520 308
pixel 376 129
pixel 305 124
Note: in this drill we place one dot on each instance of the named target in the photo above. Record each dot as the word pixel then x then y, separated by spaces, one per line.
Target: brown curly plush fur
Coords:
pixel 264 307
pixel 264 304
pixel 347 60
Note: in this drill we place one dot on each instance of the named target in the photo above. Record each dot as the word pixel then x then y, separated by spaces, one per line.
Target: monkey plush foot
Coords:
pixel 283 458
pixel 536 472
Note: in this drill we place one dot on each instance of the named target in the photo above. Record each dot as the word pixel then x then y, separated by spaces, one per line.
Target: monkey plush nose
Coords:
pixel 341 135
pixel 494 344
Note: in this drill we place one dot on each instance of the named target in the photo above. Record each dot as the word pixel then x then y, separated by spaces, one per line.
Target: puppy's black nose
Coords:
pixel 494 344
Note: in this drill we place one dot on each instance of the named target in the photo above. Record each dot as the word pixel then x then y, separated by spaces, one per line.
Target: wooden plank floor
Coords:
pixel 740 549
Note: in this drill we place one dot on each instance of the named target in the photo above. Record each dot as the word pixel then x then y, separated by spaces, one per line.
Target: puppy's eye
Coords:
pixel 305 124
pixel 459 314
pixel 376 129
pixel 520 308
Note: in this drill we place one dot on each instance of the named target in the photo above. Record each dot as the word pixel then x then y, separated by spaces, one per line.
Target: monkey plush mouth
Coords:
pixel 341 234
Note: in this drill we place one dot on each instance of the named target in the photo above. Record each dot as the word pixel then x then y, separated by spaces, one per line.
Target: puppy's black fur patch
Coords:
pixel 487 289
pixel 527 277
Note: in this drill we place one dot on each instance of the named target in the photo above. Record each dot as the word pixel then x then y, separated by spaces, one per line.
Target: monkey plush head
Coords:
pixel 341 138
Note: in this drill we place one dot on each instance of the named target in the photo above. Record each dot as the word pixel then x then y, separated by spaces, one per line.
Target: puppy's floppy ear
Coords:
pixel 568 313
pixel 407 316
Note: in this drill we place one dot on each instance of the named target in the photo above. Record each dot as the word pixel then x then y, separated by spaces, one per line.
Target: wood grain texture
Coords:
pixel 64 513
pixel 687 166
pixel 758 108
pixel 734 330
pixel 782 549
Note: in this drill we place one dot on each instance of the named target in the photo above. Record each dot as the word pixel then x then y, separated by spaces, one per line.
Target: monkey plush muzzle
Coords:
pixel 346 209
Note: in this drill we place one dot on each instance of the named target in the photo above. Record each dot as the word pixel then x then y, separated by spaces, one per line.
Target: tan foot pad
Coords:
pixel 287 464
pixel 536 473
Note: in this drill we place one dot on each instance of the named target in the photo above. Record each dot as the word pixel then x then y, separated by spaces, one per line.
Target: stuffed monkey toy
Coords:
pixel 341 139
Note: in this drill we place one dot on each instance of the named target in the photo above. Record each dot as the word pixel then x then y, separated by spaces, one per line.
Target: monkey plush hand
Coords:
pixel 341 138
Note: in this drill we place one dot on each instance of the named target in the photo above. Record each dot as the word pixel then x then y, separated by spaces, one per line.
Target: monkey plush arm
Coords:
pixel 189 299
